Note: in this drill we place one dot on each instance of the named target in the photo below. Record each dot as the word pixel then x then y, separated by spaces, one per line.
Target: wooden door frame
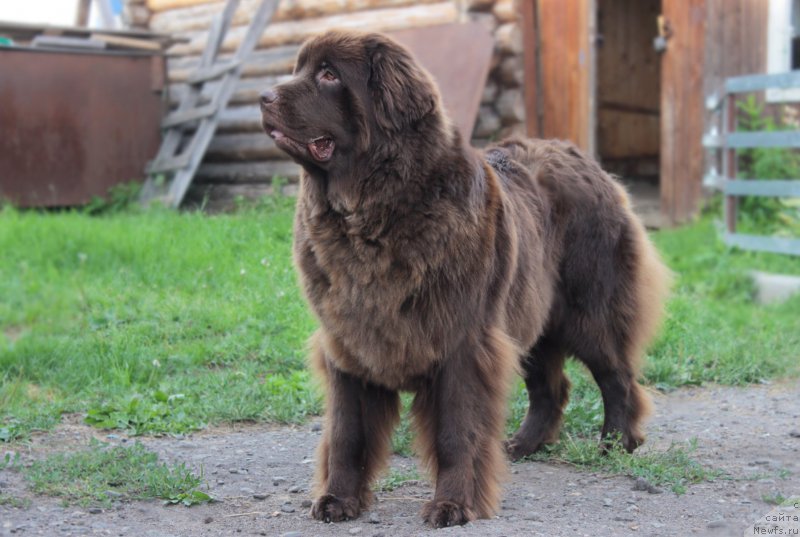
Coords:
pixel 580 126
pixel 681 152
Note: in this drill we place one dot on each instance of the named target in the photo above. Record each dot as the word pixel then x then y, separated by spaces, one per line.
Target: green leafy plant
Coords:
pixel 104 473
pixel 759 214
pixel 120 198
pixel 159 413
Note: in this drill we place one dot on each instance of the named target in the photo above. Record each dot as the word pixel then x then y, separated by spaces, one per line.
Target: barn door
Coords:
pixel 560 69
pixel 682 108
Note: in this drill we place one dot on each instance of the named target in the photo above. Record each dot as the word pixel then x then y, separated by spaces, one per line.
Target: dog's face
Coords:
pixel 349 92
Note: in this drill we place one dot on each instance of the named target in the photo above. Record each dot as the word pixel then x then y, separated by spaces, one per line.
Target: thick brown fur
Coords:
pixel 442 270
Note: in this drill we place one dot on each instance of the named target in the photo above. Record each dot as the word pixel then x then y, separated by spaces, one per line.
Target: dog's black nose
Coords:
pixel 268 97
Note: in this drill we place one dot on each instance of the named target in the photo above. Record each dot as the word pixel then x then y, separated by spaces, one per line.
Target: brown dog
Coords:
pixel 439 269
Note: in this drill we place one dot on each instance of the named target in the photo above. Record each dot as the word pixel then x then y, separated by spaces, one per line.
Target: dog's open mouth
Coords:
pixel 320 148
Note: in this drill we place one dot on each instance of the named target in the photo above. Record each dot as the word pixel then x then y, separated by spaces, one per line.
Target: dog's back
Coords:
pixel 610 285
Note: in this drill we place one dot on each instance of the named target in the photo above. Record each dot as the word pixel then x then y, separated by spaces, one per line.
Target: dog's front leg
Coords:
pixel 359 420
pixel 459 416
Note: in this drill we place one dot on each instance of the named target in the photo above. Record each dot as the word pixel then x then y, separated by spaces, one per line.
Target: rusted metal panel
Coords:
pixel 74 124
pixel 458 56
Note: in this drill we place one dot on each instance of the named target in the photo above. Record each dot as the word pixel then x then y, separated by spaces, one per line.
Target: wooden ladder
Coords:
pixel 172 171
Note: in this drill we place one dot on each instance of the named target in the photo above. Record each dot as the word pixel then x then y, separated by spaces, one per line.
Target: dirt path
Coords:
pixel 753 434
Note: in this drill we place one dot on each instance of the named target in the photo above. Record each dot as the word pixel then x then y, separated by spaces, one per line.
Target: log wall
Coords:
pixel 240 154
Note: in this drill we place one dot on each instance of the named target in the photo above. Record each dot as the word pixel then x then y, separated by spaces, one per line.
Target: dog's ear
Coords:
pixel 402 93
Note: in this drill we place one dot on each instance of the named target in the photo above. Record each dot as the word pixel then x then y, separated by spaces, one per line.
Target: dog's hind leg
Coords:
pixel 548 392
pixel 625 402
pixel 459 415
pixel 356 443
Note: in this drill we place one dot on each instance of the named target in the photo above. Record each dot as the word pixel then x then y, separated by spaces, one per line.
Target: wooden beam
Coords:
pixel 82 15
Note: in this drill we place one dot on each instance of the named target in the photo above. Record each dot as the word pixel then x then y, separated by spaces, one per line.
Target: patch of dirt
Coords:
pixel 262 476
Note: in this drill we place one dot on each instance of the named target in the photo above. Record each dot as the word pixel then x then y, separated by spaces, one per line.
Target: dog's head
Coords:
pixel 350 93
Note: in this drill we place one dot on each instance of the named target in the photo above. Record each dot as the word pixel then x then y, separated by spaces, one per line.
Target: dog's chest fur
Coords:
pixel 376 286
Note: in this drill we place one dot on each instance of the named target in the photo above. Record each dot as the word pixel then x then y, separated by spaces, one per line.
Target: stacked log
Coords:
pixel 136 14
pixel 240 154
pixel 502 111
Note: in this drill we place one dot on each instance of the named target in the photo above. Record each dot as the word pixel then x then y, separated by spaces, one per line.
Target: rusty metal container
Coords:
pixel 74 124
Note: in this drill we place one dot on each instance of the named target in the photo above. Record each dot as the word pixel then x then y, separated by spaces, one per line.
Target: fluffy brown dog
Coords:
pixel 439 269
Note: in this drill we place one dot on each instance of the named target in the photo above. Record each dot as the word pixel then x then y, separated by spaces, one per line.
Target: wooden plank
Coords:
pixel 628 80
pixel 241 119
pixel 763 187
pixel 531 35
pixel 763 139
pixel 255 146
pixel 185 116
pixel 211 73
pixel 247 172
pixel 61 42
pixel 205 131
pixel 777 245
pixel 273 61
pixel 730 164
pixel 292 32
pixel 246 91
pixel 173 137
pixel 117 41
pixel 161 5
pixel 566 61
pixel 198 17
pixel 682 109
pixel 750 83
pixel 168 164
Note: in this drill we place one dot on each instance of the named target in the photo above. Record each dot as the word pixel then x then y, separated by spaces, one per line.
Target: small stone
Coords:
pixel 652 489
pixel 716 524
pixel 316 427
pixel 95 510
pixel 607 502
pixel 794 434
pixel 354 531
pixel 378 535
pixel 113 494
pixel 260 495
pixel 247 490
pixel 287 508
pixel 374 518
pixel 278 480
pixel 292 534
pixel 533 517
pixel 294 489
pixel 234 471
pixel 305 504
pixel 208 520
pixel 641 484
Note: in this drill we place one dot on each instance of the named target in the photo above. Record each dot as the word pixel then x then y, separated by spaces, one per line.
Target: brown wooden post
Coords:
pixel 730 164
pixel 82 16
pixel 682 109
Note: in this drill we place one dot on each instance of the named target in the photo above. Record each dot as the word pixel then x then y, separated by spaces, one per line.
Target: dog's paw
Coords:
pixel 329 508
pixel 628 441
pixel 442 514
pixel 517 449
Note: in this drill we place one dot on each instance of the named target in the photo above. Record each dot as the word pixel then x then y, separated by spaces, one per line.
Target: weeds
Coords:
pixel 104 473
pixel 396 479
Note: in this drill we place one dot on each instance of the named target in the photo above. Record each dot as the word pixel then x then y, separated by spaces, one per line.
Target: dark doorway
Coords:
pixel 629 97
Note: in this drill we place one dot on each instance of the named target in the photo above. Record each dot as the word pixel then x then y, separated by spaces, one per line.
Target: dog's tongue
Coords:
pixel 321 148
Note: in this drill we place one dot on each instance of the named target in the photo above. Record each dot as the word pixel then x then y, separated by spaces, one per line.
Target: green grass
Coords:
pixel 396 478
pixel 162 322
pixel 102 474
pixel 100 312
